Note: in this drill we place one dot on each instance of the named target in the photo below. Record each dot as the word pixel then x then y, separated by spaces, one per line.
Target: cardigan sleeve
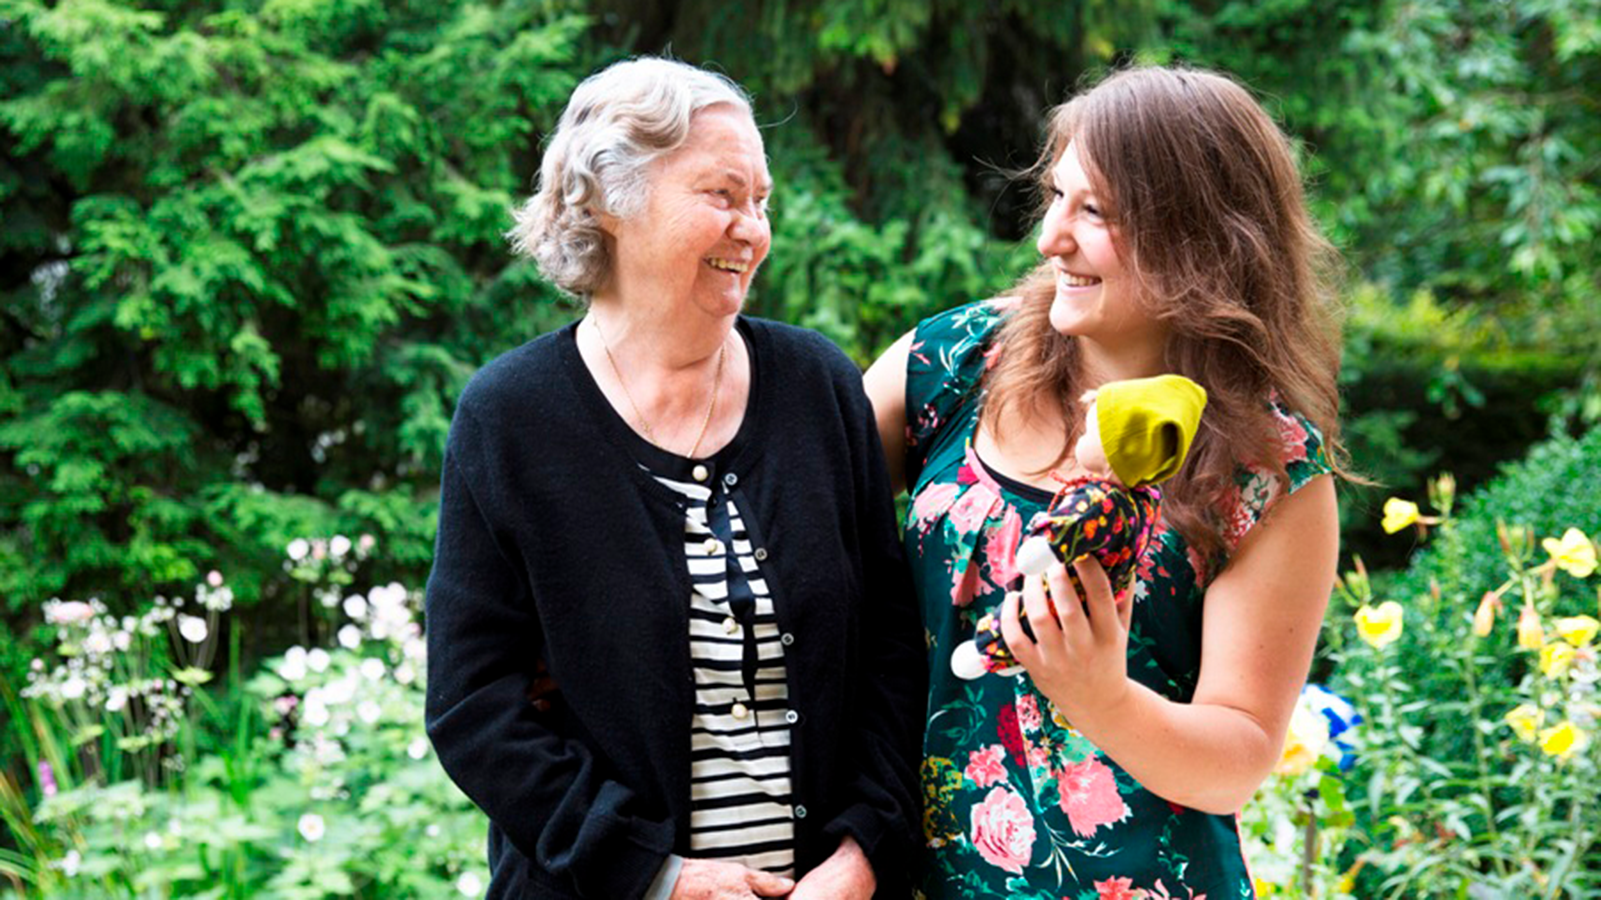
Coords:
pixel 544 790
pixel 884 815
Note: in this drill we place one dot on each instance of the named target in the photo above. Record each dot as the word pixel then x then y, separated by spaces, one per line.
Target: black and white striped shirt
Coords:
pixel 740 787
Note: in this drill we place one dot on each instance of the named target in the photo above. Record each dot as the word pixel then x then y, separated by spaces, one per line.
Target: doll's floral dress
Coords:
pixel 1017 804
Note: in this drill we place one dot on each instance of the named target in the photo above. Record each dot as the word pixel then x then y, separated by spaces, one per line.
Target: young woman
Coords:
pixel 1176 239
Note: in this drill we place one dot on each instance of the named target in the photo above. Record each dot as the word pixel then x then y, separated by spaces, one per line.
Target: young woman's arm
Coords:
pixel 885 382
pixel 1259 630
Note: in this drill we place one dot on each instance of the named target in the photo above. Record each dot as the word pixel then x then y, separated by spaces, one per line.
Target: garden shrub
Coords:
pixel 1476 670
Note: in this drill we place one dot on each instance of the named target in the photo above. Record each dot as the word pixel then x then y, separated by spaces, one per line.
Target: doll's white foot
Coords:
pixel 967 662
pixel 1035 556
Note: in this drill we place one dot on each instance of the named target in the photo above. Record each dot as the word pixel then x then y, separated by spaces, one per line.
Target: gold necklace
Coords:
pixel 650 434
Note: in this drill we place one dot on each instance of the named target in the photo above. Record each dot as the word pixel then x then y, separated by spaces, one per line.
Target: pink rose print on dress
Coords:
pixel 972 508
pixel 1089 796
pixel 1038 757
pixel 1003 830
pixel 931 504
pixel 1293 437
pixel 965 581
pixel 1117 889
pixel 1000 548
pixel 986 767
pixel 1028 713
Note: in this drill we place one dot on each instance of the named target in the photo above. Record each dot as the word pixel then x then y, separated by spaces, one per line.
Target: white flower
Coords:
pixel 328 597
pixel 350 637
pixel 69 864
pixel 415 648
pixel 418 748
pixel 431 831
pixel 68 612
pixel 470 884
pixel 318 659
pixel 316 713
pixel 365 543
pixel 98 643
pixel 122 640
pixel 36 665
pixel 372 669
pixel 356 606
pixel 312 827
pixel 193 628
pixel 339 546
pixel 73 688
pixel 368 711
pixel 339 691
pixel 152 840
pixel 405 674
pixel 293 667
pixel 117 700
pixel 298 548
pixel 214 578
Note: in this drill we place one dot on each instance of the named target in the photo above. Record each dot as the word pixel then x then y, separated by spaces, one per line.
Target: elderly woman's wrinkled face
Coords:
pixel 704 229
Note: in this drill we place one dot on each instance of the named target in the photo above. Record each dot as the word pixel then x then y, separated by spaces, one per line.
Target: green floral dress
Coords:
pixel 1017 803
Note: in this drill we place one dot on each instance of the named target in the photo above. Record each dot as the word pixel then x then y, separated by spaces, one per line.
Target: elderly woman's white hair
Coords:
pixel 617 122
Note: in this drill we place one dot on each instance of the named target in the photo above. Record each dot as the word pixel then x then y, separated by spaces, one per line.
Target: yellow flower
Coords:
pixel 1484 616
pixel 1398 514
pixel 1578 630
pixel 1563 739
pixel 1304 742
pixel 1555 658
pixel 1531 635
pixel 1525 720
pixel 1573 553
pixel 1380 626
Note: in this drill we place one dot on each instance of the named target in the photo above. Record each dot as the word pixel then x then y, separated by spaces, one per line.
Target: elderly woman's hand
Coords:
pixel 846 875
pixel 706 879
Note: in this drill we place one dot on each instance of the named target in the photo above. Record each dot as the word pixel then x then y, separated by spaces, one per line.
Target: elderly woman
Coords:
pixel 685 515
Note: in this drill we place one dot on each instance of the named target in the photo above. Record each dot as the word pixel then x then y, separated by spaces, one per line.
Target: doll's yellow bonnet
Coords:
pixel 1147 425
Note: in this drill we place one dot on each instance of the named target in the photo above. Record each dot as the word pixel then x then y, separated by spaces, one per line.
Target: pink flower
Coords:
pixel 1003 830
pixel 985 767
pixel 1117 889
pixel 964 584
pixel 1038 757
pixel 932 503
pixel 1089 796
pixel 1000 547
pixel 1028 713
pixel 1293 436
pixel 972 508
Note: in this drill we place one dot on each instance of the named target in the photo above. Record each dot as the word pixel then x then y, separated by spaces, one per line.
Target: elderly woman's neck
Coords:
pixel 647 335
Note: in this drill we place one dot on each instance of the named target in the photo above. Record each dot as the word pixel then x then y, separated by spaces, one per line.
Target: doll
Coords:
pixel 1136 435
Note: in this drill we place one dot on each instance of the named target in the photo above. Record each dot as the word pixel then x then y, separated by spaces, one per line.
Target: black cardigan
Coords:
pixel 553 543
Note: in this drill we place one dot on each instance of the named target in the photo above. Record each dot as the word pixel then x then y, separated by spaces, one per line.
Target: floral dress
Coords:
pixel 1017 803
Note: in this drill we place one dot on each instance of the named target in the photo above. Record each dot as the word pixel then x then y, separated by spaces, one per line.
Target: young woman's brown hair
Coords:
pixel 1202 191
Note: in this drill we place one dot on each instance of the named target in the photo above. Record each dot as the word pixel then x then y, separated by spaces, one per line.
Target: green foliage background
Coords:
pixel 251 250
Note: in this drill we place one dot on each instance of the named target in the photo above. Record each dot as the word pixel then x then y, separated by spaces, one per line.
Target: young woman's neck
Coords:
pixel 1101 363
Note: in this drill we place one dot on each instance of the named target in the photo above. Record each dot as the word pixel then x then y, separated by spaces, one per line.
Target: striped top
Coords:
pixel 740 792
